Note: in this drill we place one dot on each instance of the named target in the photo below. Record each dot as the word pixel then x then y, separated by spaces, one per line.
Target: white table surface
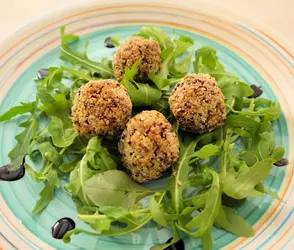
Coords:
pixel 277 14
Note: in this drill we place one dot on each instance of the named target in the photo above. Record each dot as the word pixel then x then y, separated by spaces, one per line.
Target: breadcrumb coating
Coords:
pixel 101 107
pixel 131 51
pixel 148 146
pixel 198 103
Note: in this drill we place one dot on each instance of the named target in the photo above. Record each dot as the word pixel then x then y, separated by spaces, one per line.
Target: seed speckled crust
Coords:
pixel 148 146
pixel 101 107
pixel 198 103
pixel 131 51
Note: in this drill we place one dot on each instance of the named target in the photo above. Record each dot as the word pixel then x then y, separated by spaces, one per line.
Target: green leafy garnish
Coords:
pixel 77 58
pixel 114 188
pixel 197 196
pixel 28 107
pixel 142 94
pixel 171 49
pixel 115 40
pixel 62 132
pixel 24 139
pixel 233 223
pixel 47 193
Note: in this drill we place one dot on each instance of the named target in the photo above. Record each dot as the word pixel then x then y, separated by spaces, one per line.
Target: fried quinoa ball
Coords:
pixel 131 51
pixel 198 103
pixel 148 146
pixel 101 107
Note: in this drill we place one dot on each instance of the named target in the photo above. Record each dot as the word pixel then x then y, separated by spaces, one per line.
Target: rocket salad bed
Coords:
pixel 196 197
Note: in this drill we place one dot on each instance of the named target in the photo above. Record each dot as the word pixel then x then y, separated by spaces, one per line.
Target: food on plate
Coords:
pixel 198 103
pixel 203 123
pixel 131 51
pixel 148 146
pixel 101 107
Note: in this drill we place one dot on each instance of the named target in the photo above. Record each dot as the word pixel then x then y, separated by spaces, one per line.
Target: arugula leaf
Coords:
pixel 45 96
pixel 207 151
pixel 272 112
pixel 25 107
pixel 207 61
pixel 156 211
pixel 114 188
pixel 17 154
pixel 60 108
pixel 38 177
pixel 105 161
pixel 47 194
pixel 235 89
pixel 52 82
pixel 78 58
pixel 206 239
pixel 47 173
pixel 96 156
pixel 79 146
pixel 170 50
pixel 242 121
pixel 182 44
pixel 77 179
pixel 181 67
pixel 243 185
pixel 233 223
pixel 261 188
pixel 209 204
pixel 180 178
pixel 115 40
pixel 181 172
pixel 68 167
pixel 231 202
pixel 67 38
pixel 133 220
pixel 158 35
pixel 278 153
pixel 174 240
pixel 49 152
pixel 100 225
pixel 160 78
pixel 62 132
pixel 261 146
pixel 163 107
pixel 141 94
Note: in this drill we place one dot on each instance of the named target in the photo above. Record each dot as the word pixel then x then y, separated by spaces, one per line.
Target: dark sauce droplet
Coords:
pixel 107 42
pixel 61 227
pixel 231 202
pixel 257 91
pixel 12 175
pixel 281 163
pixel 180 245
pixel 42 73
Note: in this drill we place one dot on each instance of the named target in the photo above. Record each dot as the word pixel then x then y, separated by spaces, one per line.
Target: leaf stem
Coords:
pixel 76 73
pixel 63 150
pixel 224 160
pixel 86 217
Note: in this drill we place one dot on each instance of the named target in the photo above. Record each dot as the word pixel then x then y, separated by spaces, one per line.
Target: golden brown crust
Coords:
pixel 131 51
pixel 101 107
pixel 198 103
pixel 148 146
